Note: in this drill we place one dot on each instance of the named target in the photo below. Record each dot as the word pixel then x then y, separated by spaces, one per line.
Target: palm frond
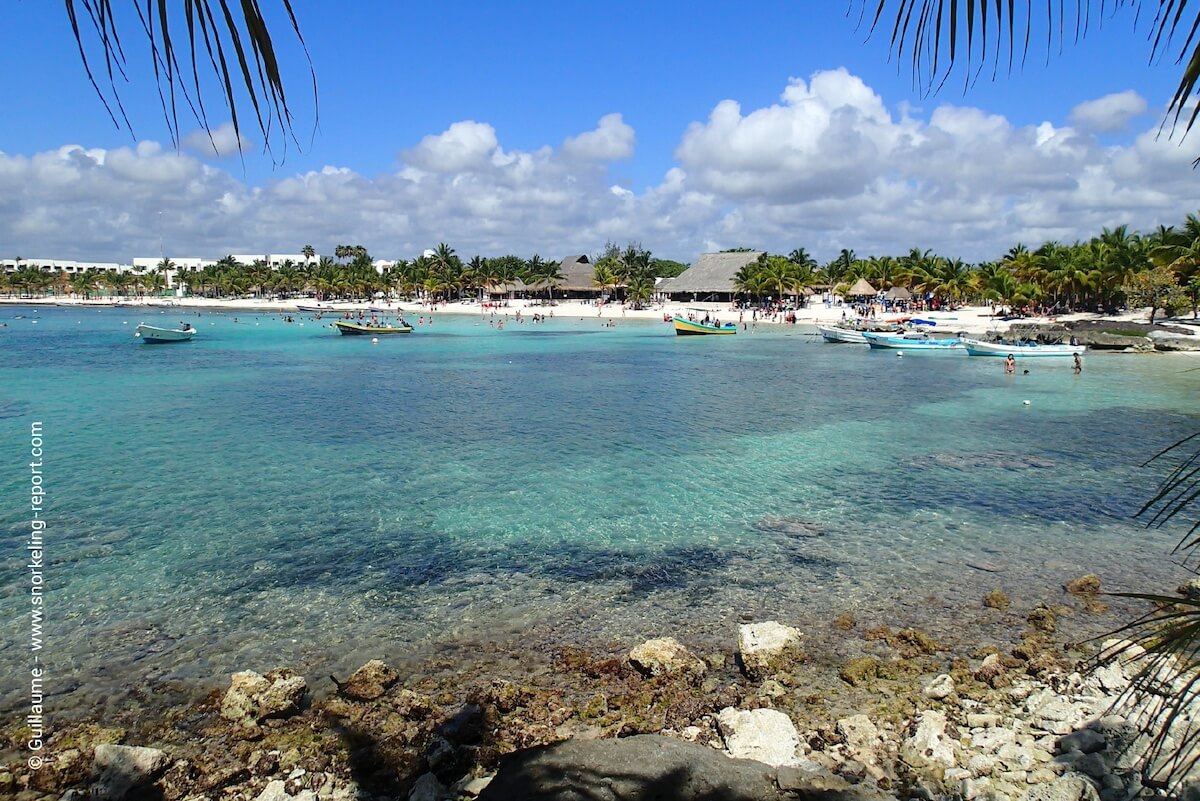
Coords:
pixel 223 29
pixel 1178 492
pixel 1161 647
pixel 917 33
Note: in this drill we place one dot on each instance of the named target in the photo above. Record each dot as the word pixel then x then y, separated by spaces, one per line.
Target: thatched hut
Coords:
pixel 578 278
pixel 710 278
pixel 862 288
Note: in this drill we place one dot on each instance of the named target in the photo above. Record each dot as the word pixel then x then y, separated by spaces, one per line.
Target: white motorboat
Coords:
pixel 152 335
pixel 1021 350
pixel 836 334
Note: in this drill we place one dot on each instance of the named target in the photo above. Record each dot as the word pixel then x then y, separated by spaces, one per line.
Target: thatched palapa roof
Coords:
pixel 862 287
pixel 712 272
pixel 898 293
pixel 579 274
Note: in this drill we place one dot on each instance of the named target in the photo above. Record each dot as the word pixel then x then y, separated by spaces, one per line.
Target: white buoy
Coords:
pixel 374 340
pixel 899 354
pixel 124 322
pixel 33 321
pixel 1025 402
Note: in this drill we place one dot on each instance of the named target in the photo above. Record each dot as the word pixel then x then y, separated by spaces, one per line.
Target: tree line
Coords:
pixel 1114 269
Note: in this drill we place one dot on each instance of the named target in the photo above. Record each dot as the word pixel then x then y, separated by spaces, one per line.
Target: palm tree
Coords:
pixel 1179 250
pixel 308 252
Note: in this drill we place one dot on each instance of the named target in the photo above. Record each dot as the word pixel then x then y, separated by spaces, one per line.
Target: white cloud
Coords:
pixel 463 146
pixel 223 142
pixel 611 141
pixel 826 166
pixel 1109 114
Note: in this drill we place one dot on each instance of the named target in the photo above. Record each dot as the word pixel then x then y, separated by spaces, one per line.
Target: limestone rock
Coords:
pixel 121 768
pixel 941 687
pixel 929 747
pixel 862 742
pixel 1190 589
pixel 252 698
pixel 991 670
pixel 274 791
pixel 427 788
pixel 369 682
pixel 764 647
pixel 764 735
pixel 666 655
pixel 1069 787
pixel 989 741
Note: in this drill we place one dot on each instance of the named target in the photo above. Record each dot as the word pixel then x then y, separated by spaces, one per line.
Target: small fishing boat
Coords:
pixel 316 309
pixel 836 334
pixel 356 329
pixel 892 342
pixel 153 335
pixel 684 327
pixel 1021 350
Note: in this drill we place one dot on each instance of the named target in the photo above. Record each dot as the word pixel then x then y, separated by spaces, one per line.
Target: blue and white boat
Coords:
pixel 911 342
pixel 1022 350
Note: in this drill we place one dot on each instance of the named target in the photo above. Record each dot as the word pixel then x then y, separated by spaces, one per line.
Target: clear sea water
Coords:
pixel 274 494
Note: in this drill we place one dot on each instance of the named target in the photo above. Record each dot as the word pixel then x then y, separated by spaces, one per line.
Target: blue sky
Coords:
pixel 533 76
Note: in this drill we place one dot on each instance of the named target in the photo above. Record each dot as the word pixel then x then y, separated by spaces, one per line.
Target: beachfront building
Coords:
pixel 709 279
pixel 68 266
pixel 579 279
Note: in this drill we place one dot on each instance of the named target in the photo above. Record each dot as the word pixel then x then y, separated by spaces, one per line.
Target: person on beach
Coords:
pixel 1078 365
pixel 1010 365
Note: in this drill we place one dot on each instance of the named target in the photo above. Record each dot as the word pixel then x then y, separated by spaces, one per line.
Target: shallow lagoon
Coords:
pixel 276 494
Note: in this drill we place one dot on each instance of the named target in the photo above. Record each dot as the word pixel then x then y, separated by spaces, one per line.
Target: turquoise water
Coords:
pixel 272 493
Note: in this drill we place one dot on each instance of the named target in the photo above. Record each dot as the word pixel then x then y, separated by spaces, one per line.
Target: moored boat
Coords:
pixel 316 308
pixel 685 327
pixel 837 334
pixel 355 329
pixel 892 342
pixel 1021 350
pixel 153 335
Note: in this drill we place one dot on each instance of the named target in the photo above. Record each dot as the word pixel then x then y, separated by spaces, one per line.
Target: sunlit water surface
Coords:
pixel 273 493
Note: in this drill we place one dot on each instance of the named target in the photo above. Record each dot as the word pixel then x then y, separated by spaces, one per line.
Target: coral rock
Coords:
pixel 666 655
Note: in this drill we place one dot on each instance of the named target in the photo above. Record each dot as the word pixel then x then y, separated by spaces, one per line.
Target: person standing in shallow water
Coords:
pixel 1010 365
pixel 1078 365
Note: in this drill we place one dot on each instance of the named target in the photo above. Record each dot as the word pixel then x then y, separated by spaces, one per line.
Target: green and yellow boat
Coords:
pixel 355 329
pixel 685 328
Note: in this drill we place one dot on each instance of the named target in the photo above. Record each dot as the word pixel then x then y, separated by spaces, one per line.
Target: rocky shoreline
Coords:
pixel 911 720
pixel 1112 335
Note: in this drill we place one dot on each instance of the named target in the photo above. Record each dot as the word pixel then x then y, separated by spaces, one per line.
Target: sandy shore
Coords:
pixel 968 319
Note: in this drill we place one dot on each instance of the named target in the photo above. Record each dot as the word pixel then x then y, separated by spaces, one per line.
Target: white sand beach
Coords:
pixel 967 319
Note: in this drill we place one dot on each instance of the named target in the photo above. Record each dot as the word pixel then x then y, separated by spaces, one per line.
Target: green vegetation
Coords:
pixel 1112 270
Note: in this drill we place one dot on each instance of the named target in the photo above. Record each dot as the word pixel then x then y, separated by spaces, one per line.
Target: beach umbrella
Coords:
pixel 862 287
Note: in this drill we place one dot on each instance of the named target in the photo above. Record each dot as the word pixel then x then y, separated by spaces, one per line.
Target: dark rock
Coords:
pixel 123 768
pixel 788 526
pixel 645 767
pixel 1087 741
pixel 973 461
